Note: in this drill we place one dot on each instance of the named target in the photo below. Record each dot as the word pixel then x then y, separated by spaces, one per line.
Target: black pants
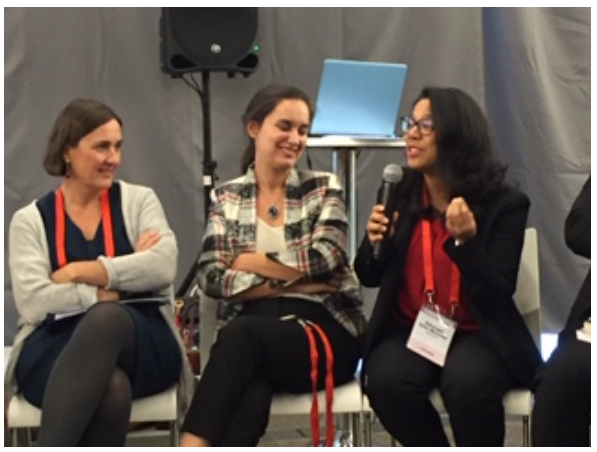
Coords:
pixel 472 384
pixel 256 356
pixel 562 411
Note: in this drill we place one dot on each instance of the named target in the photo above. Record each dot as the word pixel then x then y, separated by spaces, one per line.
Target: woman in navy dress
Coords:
pixel 79 250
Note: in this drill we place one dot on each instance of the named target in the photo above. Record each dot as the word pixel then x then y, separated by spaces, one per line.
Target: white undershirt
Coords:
pixel 269 239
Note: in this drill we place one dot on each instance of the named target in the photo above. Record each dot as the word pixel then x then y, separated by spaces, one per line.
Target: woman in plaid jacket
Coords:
pixel 274 254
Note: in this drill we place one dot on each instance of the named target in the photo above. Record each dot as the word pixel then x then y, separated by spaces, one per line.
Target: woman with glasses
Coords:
pixel 444 315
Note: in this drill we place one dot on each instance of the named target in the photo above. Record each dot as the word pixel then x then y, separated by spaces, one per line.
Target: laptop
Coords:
pixel 358 98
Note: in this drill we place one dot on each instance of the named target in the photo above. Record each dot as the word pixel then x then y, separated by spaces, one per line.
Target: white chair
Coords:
pixel 348 398
pixel 162 407
pixel 519 402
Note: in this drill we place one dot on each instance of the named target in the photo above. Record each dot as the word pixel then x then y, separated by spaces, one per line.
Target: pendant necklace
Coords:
pixel 273 212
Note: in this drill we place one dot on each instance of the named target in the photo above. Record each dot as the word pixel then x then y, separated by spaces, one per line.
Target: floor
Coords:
pixel 294 431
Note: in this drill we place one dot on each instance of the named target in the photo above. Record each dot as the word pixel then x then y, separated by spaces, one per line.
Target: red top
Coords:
pixel 412 294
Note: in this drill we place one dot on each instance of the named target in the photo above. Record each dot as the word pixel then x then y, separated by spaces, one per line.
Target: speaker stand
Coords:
pixel 209 165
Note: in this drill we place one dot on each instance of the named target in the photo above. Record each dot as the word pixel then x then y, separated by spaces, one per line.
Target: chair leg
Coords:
pixel 21 437
pixel 368 436
pixel 174 433
pixel 342 426
pixel 526 432
pixel 348 431
pixel 356 429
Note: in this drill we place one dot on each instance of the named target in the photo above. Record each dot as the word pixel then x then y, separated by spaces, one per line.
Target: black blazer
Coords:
pixel 488 264
pixel 578 238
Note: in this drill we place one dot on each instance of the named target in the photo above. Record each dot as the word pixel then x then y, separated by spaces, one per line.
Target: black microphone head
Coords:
pixel 392 173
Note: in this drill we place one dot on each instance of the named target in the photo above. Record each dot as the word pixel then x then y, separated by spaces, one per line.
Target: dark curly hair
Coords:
pixel 465 158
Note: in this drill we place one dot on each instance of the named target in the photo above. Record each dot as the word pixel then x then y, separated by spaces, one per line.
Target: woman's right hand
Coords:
pixel 106 294
pixel 378 224
pixel 311 288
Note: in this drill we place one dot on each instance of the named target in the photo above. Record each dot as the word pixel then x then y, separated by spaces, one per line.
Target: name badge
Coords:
pixel 431 335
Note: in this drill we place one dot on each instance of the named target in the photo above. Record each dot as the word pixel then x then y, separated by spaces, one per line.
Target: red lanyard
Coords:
pixel 329 383
pixel 61 228
pixel 428 265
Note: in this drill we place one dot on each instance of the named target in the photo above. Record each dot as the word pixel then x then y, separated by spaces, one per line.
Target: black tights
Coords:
pixel 88 396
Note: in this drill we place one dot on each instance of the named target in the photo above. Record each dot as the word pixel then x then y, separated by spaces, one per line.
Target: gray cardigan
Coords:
pixel 36 295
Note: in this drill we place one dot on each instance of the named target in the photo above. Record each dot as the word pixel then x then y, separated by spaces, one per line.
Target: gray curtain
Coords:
pixel 528 67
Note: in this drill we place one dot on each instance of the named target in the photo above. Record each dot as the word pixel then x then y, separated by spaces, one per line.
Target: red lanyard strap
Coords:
pixel 454 286
pixel 329 383
pixel 428 265
pixel 428 259
pixel 60 235
pixel 107 225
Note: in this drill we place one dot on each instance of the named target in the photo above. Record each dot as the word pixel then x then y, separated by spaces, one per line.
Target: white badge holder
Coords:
pixel 432 334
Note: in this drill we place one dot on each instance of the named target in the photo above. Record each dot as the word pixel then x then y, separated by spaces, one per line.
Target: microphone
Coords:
pixel 392 175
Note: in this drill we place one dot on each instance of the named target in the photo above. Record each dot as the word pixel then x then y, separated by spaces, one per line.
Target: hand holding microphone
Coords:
pixel 379 223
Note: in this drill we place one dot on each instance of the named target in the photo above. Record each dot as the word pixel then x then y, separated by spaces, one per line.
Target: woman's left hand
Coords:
pixel 460 220
pixel 147 240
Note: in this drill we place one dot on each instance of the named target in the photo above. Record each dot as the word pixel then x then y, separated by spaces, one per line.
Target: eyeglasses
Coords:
pixel 424 125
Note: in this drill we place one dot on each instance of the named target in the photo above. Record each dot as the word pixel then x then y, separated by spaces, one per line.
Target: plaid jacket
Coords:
pixel 315 231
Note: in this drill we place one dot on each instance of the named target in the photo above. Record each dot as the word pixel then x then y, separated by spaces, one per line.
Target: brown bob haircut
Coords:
pixel 79 118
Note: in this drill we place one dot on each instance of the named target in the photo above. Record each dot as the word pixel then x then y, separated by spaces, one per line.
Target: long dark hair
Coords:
pixel 465 159
pixel 79 118
pixel 261 105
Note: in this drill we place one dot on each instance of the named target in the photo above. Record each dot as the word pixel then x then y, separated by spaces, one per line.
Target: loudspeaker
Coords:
pixel 208 39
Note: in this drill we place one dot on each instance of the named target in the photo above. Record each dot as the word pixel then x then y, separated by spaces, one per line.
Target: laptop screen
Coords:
pixel 358 98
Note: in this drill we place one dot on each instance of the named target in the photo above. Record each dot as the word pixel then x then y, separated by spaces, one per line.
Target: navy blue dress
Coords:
pixel 158 356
